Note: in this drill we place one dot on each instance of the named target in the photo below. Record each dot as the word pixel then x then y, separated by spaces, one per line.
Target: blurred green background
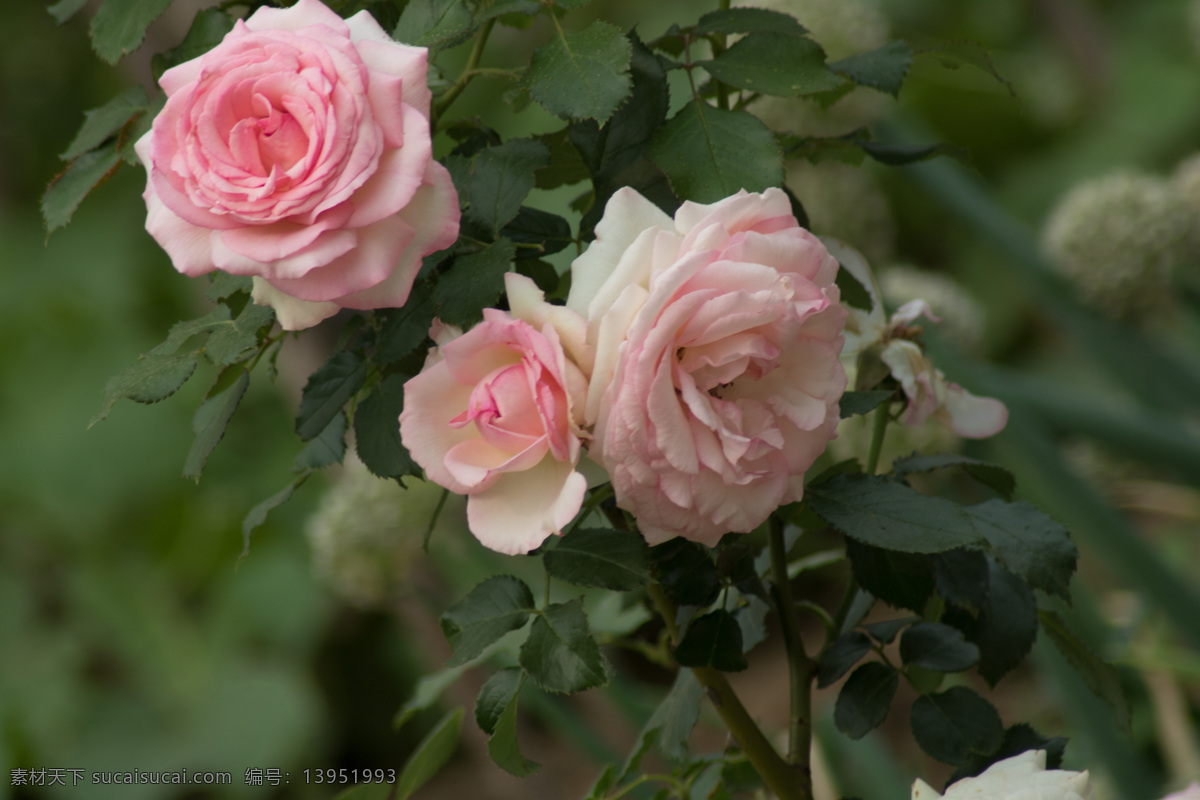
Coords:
pixel 133 638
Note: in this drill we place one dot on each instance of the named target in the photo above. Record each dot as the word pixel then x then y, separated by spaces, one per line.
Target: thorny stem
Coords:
pixel 469 71
pixel 800 667
pixel 881 423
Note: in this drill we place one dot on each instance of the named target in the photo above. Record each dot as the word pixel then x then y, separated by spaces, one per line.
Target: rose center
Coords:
pixel 270 140
pixel 504 407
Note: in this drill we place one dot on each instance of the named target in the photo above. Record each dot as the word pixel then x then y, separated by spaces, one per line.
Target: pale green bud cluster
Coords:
pixel 961 314
pixel 847 203
pixel 1118 239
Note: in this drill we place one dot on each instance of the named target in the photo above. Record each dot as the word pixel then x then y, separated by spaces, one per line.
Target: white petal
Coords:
pixel 293 314
pixel 521 509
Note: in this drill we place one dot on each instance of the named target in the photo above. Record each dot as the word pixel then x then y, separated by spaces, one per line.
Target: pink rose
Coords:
pixel 495 415
pixel 716 379
pixel 298 151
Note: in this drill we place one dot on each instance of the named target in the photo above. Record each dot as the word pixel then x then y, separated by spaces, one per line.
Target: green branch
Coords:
pixel 469 71
pixel 801 668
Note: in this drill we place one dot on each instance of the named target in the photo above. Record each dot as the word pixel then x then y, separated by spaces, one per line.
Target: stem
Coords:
pixel 800 666
pixel 469 71
pixel 784 780
pixel 718 49
pixel 881 423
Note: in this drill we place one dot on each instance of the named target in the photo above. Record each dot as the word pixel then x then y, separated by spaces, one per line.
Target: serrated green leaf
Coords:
pixel 1018 739
pixel 120 25
pixel 885 632
pixel 712 640
pixel 434 23
pixel 853 403
pixel 258 515
pixel 853 293
pixel 865 699
pixel 775 64
pixel 427 692
pixel 902 580
pixel 474 282
pixel 499 179
pixel 210 422
pixel 101 123
pixel 67 191
pixel 327 391
pixel 601 558
pixel 582 74
pixel 961 577
pixel 937 647
pixel 953 55
pixel 709 153
pixel 752 619
pixel 996 478
pixel 503 7
pixel 560 654
pixel 223 285
pixel 749 20
pixel 883 68
pixel 549 233
pixel 495 695
pixel 954 724
pixel 328 447
pixel 1028 543
pixel 496 713
pixel 182 331
pixel 377 431
pixel 671 724
pixel 433 751
pixel 1007 624
pixel 230 342
pixel 1099 676
pixel 566 165
pixel 686 572
pixel 500 604
pixel 890 515
pixel 846 651
pixel 406 328
pixel 208 29
pixel 152 378
pixel 63 10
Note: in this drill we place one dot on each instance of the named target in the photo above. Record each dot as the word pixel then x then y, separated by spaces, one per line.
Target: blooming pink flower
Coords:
pixel 495 415
pixel 298 151
pixel 716 379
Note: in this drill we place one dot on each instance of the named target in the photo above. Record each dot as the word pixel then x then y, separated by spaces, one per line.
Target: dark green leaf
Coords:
pixel 377 431
pixel 560 654
pixel 1007 624
pixel 571 4
pixel 673 720
pixel 604 783
pixel 67 191
pixel 566 165
pixel 686 571
pixel 709 153
pixel 327 390
pixel 329 447
pixel 223 285
pixel 258 515
pixel 582 74
pixel 865 699
pixel 998 479
pixel 854 294
pixel 902 580
pixel 1099 676
pixel 891 515
pixel 953 55
pixel 885 632
pixel 846 651
pixel 961 577
pixel 712 640
pixel 211 420
pixel 63 10
pixel 883 69
pixel 101 123
pixel 937 647
pixel 182 331
pixel 897 155
pixel 474 282
pixel 120 25
pixel 543 274
pixel 434 23
pixel 495 695
pixel 406 328
pixel 549 232
pixel 499 180
pixel 1028 542
pixel 861 402
pixel 954 724
pixel 500 604
pixel 231 341
pixel 152 378
pixel 748 20
pixel 433 751
pixel 602 558
pixel 503 746
pixel 427 692
pixel 775 64
pixel 208 29
pixel 1017 739
pixel 752 619
pixel 502 7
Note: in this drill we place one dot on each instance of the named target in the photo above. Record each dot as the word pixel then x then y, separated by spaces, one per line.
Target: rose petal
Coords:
pixel 293 314
pixel 522 509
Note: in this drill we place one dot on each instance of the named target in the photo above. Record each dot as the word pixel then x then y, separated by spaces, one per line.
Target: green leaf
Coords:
pixel 433 752
pixel 427 692
pixel 885 632
pixel 899 155
pixel 709 153
pixel 212 418
pixel 258 515
pixel 434 23
pixel 861 402
pixel 1029 543
pixel 473 282
pixel 686 571
pixel 405 329
pixel 496 713
pixel 1098 675
pixel 502 7
pixel 208 29
pixel 566 165
pixel 865 699
pixel 120 25
pixel 66 192
pixel 549 232
pixel 63 10
pixel 998 479
pixel 602 558
pixel 500 177
pixel 495 695
pixel 752 620
pixel 152 378
pixel 181 332
pixel 582 74
pixel 327 390
pixel 560 654
pixel 231 341
pixel 329 447
pixel 883 69
pixel 882 513
pixel 500 604
pixel 961 577
pixel 846 651
pixel 902 580
pixel 854 294
pixel 953 55
pixel 749 20
pixel 1018 739
pixel 604 783
pixel 955 724
pixel 671 724
pixel 377 431
pixel 1007 624
pixel 937 647
pixel 101 123
pixel 224 285
pixel 775 64
pixel 712 640
pixel 571 4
